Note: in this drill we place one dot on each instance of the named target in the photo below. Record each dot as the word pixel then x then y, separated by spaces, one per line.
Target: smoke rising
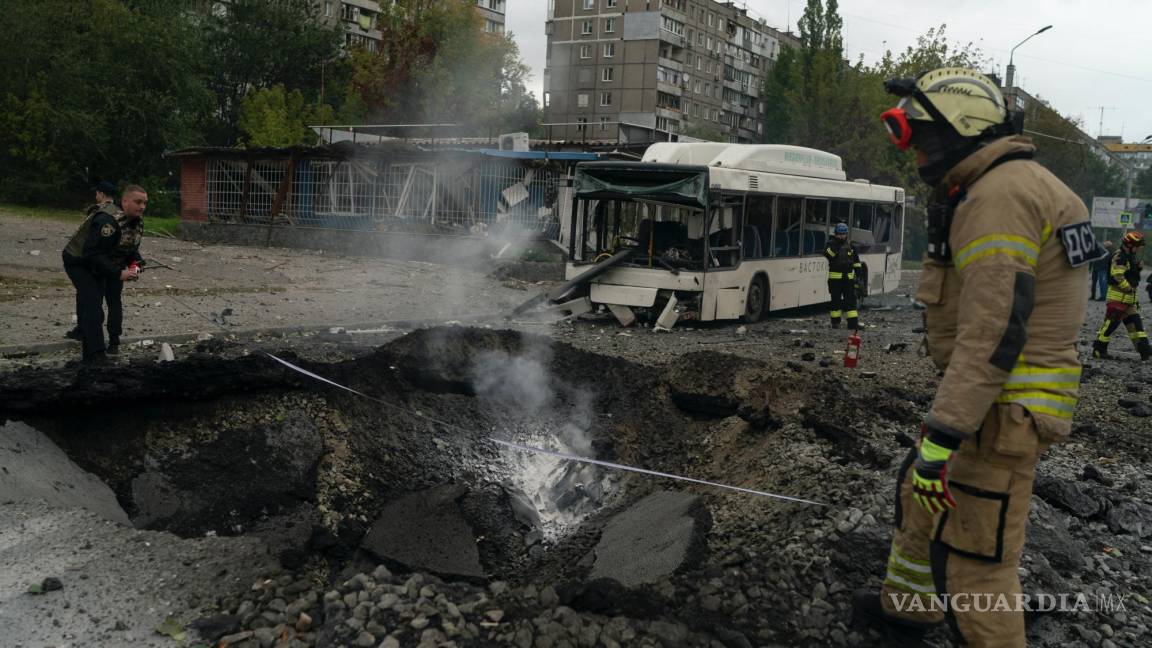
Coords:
pixel 521 390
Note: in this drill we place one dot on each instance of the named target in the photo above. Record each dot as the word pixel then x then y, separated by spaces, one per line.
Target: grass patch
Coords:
pixel 53 213
pixel 161 225
pixel 152 224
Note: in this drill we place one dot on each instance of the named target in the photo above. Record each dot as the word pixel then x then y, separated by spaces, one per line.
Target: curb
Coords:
pixel 20 351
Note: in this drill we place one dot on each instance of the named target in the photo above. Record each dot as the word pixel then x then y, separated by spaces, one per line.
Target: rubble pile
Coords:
pixel 396 520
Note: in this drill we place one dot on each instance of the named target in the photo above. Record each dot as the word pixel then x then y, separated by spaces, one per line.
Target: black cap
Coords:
pixel 106 188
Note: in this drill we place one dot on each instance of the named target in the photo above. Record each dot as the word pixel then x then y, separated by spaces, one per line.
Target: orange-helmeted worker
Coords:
pixel 1005 285
pixel 1123 303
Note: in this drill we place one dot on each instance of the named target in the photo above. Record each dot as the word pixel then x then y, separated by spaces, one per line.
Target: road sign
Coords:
pixel 1110 212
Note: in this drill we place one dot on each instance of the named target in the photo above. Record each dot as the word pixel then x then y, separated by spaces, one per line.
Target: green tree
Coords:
pixel 1061 147
pixel 251 45
pixel 95 88
pixel 704 132
pixel 436 65
pixel 1142 184
pixel 278 117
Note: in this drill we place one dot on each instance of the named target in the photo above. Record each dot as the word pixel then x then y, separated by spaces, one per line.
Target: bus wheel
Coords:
pixel 756 303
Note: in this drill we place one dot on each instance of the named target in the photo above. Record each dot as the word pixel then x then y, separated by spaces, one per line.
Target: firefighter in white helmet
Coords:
pixel 1005 284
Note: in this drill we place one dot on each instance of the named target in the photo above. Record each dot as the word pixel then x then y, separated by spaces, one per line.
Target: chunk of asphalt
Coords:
pixel 653 538
pixel 33 468
pixel 427 531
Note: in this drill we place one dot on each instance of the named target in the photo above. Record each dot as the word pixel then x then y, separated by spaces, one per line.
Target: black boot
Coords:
pixel 113 346
pixel 867 608
pixel 836 323
pixel 1144 349
pixel 74 334
pixel 98 358
pixel 1100 350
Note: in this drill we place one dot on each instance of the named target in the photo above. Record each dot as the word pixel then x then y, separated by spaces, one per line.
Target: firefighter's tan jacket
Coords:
pixel 1004 315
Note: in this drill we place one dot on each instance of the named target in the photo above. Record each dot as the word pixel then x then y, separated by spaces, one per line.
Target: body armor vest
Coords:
pixel 75 245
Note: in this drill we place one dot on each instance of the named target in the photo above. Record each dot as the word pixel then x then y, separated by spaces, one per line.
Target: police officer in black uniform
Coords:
pixel 105 194
pixel 97 260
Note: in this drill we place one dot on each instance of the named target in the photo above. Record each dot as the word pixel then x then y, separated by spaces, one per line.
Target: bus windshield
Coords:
pixel 664 235
pixel 659 210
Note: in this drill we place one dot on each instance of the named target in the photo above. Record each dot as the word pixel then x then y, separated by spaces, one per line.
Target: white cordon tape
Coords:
pixel 552 453
pixel 643 471
pixel 509 444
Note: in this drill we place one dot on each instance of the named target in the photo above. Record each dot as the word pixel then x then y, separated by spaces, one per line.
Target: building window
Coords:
pixel 328 8
pixel 581 124
pixel 608 73
pixel 674 26
pixel 585 51
pixel 605 98
pixel 611 4
pixel 609 25
pixel 667 75
pixel 711 16
pixel 603 123
pixel 582 100
pixel 589 4
pixel 547 98
pixel 586 27
pixel 609 50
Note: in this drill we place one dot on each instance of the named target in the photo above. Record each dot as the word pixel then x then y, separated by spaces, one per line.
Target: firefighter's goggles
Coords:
pixel 899 130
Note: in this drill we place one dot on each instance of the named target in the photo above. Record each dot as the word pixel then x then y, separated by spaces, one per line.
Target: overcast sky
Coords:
pixel 1096 54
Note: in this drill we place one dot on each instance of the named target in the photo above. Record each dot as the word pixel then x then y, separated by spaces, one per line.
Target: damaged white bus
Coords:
pixel 711 231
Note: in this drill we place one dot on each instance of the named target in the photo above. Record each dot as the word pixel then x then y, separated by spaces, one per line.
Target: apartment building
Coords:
pixel 359 18
pixel 492 11
pixel 648 70
pixel 1138 157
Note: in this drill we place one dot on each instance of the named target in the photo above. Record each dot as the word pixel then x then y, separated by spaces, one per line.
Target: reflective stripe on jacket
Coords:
pixel 1004 316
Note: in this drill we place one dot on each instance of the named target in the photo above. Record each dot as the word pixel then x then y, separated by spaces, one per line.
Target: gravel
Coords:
pixel 774 573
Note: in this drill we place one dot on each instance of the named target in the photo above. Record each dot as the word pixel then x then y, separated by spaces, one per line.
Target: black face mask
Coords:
pixel 943 149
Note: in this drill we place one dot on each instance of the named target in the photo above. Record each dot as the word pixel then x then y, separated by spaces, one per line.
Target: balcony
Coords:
pixel 671 64
pixel 672 89
pixel 675 40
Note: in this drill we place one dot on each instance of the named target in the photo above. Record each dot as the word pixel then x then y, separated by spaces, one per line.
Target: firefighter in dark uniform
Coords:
pixel 98 259
pixel 843 265
pixel 1123 304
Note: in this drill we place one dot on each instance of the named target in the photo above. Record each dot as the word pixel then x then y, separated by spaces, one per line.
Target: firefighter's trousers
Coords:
pixel 843 292
pixel 970 553
pixel 1118 313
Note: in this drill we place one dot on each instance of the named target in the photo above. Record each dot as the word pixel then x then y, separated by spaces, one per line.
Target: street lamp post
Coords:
pixel 1012 68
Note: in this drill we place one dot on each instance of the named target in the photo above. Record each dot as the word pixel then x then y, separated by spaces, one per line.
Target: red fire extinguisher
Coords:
pixel 852 353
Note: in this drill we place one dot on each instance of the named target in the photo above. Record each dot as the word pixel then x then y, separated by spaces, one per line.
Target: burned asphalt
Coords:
pixel 272 509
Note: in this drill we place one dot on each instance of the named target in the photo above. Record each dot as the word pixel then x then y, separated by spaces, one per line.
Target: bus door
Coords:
pixel 889 231
pixel 724 289
pixel 787 247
